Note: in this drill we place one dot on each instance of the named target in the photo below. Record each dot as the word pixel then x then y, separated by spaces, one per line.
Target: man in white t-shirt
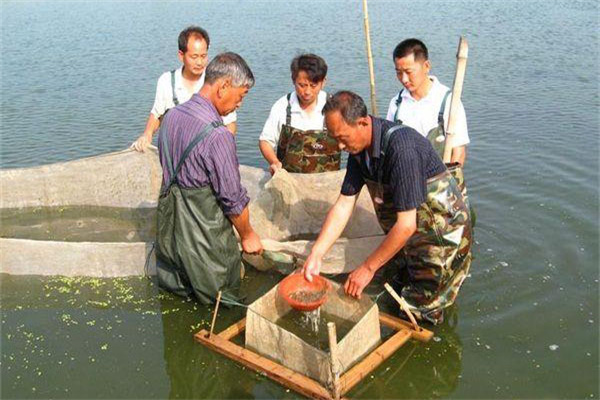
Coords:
pixel 294 136
pixel 424 103
pixel 178 86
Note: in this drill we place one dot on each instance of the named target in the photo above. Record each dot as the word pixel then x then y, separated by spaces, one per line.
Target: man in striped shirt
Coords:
pixel 202 194
pixel 418 205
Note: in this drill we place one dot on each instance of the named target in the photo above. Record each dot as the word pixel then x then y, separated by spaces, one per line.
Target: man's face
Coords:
pixel 306 89
pixel 351 138
pixel 230 98
pixel 412 73
pixel 195 58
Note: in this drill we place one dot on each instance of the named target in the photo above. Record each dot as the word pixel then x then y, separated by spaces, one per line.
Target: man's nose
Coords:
pixel 341 146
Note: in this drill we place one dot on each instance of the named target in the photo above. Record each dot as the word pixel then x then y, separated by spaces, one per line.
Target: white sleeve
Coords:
pixel 392 109
pixel 461 135
pixel 273 124
pixel 229 118
pixel 163 88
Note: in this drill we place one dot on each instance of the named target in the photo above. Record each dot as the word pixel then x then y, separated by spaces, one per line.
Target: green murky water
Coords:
pixel 79 224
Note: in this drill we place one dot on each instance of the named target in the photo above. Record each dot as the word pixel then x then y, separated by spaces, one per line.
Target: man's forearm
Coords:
pixel 151 126
pixel 395 240
pixel 335 222
pixel 267 151
pixel 459 154
pixel 242 223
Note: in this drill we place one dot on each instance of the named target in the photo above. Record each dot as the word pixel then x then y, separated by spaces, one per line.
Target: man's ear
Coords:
pixel 363 121
pixel 180 55
pixel 427 65
pixel 222 86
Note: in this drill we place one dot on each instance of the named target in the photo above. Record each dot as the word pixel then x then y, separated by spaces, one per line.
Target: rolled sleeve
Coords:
pixel 160 99
pixel 353 180
pixel 224 173
pixel 461 134
pixel 392 109
pixel 272 128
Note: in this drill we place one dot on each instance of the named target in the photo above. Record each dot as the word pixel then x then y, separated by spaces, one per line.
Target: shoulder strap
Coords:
pixel 175 101
pixel 162 137
pixel 441 112
pixel 385 142
pixel 288 111
pixel 208 128
pixel 398 102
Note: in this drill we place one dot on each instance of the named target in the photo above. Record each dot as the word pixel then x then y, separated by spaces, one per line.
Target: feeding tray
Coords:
pixel 302 294
pixel 298 364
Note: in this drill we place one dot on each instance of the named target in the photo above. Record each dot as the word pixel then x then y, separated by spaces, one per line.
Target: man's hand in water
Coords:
pixel 312 266
pixel 358 280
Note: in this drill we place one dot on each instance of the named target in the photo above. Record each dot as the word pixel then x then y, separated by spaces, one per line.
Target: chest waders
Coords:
pixel 306 151
pixel 437 256
pixel 437 138
pixel 197 251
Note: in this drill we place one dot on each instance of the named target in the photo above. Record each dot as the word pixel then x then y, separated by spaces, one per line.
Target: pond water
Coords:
pixel 78 79
pixel 79 224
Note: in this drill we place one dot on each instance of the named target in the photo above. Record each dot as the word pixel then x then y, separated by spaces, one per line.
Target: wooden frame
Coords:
pixel 300 383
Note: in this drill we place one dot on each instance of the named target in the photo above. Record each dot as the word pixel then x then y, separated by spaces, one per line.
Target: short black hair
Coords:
pixel 350 106
pixel 192 31
pixel 314 66
pixel 412 46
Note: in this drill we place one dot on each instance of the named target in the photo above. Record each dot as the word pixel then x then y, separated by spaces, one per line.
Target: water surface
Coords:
pixel 78 79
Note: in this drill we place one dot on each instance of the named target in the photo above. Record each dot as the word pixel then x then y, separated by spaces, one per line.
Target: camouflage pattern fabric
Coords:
pixel 438 255
pixel 307 151
pixel 437 138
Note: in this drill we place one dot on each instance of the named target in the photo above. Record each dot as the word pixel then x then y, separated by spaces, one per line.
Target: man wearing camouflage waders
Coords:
pixel 294 136
pixel 424 105
pixel 202 194
pixel 417 201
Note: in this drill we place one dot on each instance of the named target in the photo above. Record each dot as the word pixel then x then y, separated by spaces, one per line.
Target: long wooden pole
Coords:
pixel 461 65
pixel 370 59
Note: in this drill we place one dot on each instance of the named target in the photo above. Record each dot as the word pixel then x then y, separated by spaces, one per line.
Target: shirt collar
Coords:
pixel 434 87
pixel 295 103
pixel 179 80
pixel 376 126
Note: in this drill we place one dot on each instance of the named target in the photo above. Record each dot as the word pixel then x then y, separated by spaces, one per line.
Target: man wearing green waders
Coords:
pixel 202 194
pixel 417 201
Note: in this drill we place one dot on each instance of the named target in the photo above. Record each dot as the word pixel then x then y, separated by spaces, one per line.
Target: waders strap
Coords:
pixel 203 133
pixel 175 101
pixel 163 137
pixel 385 141
pixel 398 102
pixel 441 112
pixel 288 111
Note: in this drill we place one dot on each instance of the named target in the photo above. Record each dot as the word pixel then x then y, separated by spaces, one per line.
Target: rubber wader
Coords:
pixel 197 251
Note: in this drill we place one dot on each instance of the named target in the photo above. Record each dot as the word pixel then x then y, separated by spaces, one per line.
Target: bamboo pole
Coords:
pixel 403 305
pixel 370 59
pixel 333 354
pixel 461 65
pixel 214 318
